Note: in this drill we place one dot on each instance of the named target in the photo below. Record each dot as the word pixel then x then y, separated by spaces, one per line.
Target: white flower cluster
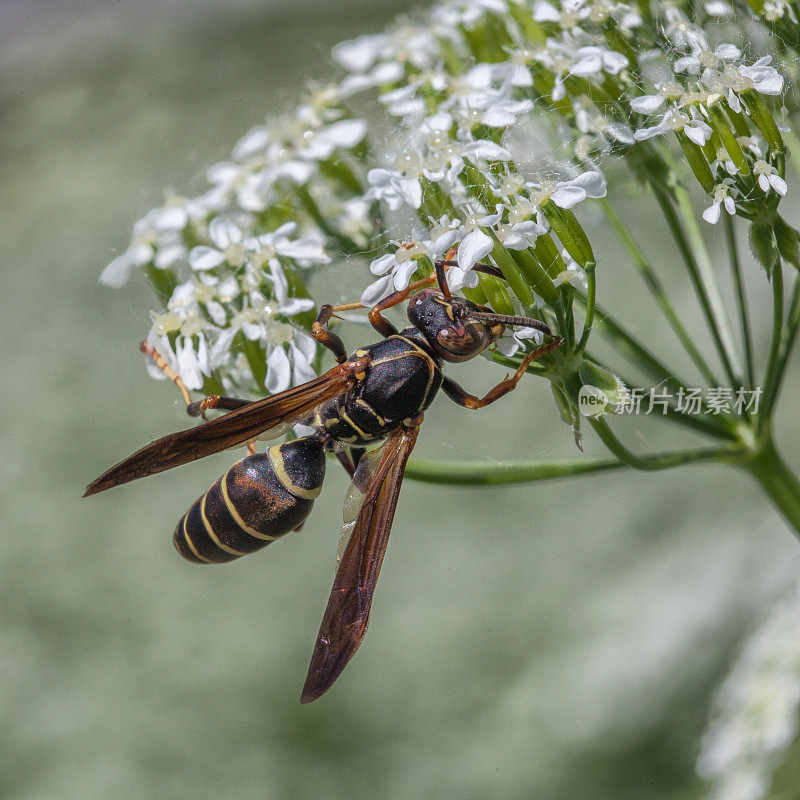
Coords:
pixel 710 95
pixel 757 709
pixel 231 264
pixel 501 112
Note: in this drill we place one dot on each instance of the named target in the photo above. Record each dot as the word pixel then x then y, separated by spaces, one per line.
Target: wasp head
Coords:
pixel 449 325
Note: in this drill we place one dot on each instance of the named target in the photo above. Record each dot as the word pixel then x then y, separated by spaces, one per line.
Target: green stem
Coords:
pixel 591 293
pixel 698 263
pixel 778 481
pixel 656 289
pixel 789 335
pixel 658 460
pixel 482 473
pixel 741 298
pixel 772 376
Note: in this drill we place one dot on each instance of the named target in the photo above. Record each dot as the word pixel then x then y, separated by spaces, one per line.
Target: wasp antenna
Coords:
pixel 506 319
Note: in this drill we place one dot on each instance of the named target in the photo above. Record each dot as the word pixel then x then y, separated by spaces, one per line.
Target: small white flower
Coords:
pixel 768 177
pixel 156 239
pixel 516 338
pixel 226 246
pixel 675 119
pixel 396 270
pixel 394 188
pixel 572 275
pixel 763 78
pixel 723 197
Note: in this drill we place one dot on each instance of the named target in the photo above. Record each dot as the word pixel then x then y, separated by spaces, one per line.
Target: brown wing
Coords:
pixel 369 510
pixel 233 429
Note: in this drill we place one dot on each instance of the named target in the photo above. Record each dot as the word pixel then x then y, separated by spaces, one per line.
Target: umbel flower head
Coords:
pixel 502 117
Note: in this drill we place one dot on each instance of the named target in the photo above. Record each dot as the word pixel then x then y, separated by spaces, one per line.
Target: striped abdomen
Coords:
pixel 259 499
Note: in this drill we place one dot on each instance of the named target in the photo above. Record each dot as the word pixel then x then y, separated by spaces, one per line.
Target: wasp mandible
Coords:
pixel 380 392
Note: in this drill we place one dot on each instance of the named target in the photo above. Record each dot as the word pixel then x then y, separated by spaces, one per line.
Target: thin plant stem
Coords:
pixel 741 298
pixel 778 481
pixel 487 473
pixel 483 473
pixel 789 335
pixel 708 278
pixel 591 299
pixel 772 376
pixel 654 285
pixel 656 461
pixel 695 273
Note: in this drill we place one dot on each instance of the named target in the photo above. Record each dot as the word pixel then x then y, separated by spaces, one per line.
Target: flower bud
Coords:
pixel 697 161
pixel 569 231
pixel 762 118
pixel 721 126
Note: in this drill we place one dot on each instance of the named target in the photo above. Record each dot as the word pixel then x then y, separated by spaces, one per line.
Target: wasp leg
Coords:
pixel 159 361
pixel 215 401
pixel 459 395
pixel 325 337
pixel 193 408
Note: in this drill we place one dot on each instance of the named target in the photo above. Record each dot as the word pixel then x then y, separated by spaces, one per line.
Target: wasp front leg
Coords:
pixel 459 395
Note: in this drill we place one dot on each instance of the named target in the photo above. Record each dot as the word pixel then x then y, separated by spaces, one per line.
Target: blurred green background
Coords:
pixel 554 641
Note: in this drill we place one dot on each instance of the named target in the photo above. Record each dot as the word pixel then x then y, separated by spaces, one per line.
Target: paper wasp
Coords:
pixel 380 392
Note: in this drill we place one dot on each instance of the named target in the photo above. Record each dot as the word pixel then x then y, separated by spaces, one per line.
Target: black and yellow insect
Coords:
pixel 379 393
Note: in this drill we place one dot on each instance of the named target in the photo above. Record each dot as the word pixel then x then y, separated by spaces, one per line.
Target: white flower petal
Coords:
pixel 223 232
pixel 118 272
pixel 346 133
pixel 279 371
pixel 778 184
pixel 475 246
pixel 712 213
pixel 221 349
pixel 698 132
pixel 568 196
pixel 483 148
pixel 382 264
pixel 203 257
pixel 593 183
pixel 648 103
pixel 376 291
pixel 303 371
pixel 545 12
pixel 402 275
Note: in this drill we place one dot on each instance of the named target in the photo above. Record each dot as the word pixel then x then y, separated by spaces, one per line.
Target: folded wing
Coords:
pixel 235 428
pixel 368 514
